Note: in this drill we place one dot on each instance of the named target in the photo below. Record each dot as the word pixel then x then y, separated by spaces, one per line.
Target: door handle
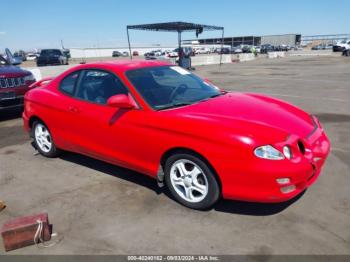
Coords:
pixel 73 109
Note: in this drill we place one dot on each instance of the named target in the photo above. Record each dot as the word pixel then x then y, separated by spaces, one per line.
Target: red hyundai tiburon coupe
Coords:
pixel 166 122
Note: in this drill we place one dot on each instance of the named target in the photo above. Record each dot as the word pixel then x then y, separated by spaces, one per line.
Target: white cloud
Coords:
pixel 2 33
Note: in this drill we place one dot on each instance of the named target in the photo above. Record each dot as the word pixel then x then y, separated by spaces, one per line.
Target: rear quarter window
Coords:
pixel 67 85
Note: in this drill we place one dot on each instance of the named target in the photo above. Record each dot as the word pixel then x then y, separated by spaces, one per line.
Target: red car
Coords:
pixel 14 82
pixel 166 122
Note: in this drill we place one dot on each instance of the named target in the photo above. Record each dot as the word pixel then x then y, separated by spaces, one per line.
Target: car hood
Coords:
pixel 253 114
pixel 12 71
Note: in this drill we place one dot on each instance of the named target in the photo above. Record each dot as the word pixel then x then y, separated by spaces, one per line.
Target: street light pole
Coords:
pixel 127 32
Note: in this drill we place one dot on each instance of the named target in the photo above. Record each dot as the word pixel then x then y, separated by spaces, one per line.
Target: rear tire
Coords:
pixel 191 181
pixel 43 140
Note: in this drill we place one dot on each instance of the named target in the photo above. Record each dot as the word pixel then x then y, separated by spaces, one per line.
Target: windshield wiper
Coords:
pixel 216 95
pixel 179 104
pixel 212 96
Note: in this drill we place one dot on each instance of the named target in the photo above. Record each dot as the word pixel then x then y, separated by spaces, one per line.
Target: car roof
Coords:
pixel 123 65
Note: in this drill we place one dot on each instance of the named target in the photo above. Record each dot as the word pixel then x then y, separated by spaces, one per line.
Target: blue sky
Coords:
pixel 87 23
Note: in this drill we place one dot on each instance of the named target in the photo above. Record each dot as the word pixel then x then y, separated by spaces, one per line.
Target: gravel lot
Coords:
pixel 104 209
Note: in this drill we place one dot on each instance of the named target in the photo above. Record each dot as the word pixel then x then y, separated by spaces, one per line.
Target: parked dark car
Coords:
pixel 341 46
pixel 267 48
pixel 51 57
pixel 337 48
pixel 225 51
pixel 246 49
pixel 135 53
pixel 150 56
pixel 116 54
pixel 282 48
pixel 14 83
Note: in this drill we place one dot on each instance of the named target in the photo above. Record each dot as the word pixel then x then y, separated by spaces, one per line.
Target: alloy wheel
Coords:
pixel 189 180
pixel 43 138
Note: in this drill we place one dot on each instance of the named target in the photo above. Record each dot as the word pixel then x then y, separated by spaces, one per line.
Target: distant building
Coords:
pixel 324 39
pixel 287 39
pixel 108 51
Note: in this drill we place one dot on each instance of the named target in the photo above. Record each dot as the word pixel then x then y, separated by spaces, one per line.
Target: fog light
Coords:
pixel 288 189
pixel 283 181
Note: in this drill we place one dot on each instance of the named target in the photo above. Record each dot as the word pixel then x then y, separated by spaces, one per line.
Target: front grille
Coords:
pixel 12 82
pixel 11 102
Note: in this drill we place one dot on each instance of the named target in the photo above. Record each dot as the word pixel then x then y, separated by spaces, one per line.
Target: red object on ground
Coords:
pixel 20 232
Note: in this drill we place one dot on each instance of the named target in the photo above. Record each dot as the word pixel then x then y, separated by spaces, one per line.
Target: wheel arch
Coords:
pixel 32 120
pixel 181 150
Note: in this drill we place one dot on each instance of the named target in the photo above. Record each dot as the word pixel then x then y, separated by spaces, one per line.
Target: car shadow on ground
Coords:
pixel 112 170
pixel 254 209
pixel 226 206
pixel 9 114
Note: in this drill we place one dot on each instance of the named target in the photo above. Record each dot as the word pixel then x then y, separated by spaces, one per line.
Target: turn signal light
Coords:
pixel 283 181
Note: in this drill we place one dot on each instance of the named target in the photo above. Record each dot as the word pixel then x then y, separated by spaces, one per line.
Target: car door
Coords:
pixel 62 117
pixel 104 132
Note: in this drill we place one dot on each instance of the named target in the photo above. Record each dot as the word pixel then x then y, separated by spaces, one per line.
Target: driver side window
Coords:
pixel 97 86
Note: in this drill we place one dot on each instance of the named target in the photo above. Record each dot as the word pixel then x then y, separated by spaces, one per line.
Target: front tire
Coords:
pixel 43 140
pixel 191 181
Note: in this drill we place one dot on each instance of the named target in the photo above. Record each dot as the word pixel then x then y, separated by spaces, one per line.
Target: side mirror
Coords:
pixel 120 101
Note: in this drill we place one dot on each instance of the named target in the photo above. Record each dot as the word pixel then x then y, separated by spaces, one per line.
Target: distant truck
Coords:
pixel 52 57
pixel 14 82
pixel 341 46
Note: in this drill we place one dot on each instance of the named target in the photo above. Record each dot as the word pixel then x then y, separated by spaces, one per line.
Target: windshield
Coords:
pixel 170 86
pixel 3 61
pixel 48 52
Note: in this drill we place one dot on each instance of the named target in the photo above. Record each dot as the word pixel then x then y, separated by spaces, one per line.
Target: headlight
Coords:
pixel 268 152
pixel 287 152
pixel 29 78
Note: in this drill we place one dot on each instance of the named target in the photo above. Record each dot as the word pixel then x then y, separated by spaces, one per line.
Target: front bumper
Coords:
pixel 338 48
pixel 13 97
pixel 11 103
pixel 257 181
pixel 49 61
